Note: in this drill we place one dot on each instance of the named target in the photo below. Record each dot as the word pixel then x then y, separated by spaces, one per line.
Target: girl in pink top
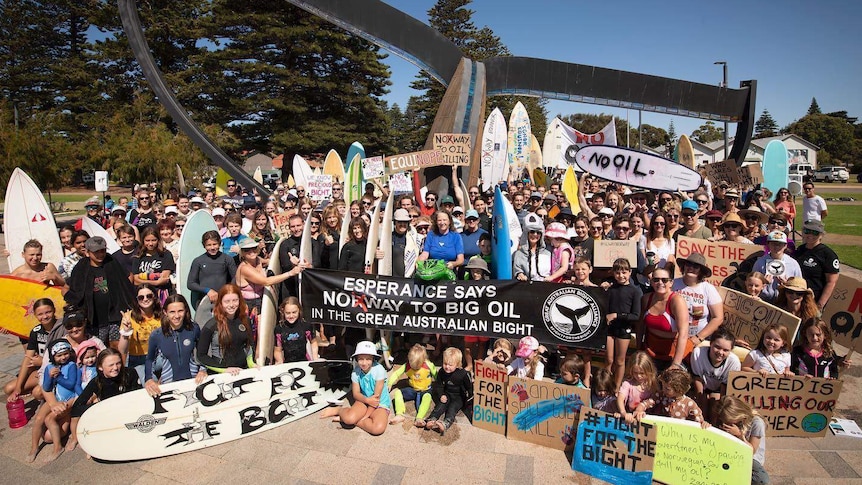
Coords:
pixel 640 384
pixel 562 254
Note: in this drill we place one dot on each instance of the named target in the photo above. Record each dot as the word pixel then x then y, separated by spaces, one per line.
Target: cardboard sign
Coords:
pixel 454 148
pixel 319 187
pixel 750 175
pixel 489 397
pixel 725 170
pixel 281 222
pixel 722 257
pixel 843 311
pixel 543 413
pixel 791 406
pixel 747 316
pixel 101 181
pixel 413 161
pixel 605 252
pixel 401 183
pixel 686 454
pixel 372 168
pixel 609 449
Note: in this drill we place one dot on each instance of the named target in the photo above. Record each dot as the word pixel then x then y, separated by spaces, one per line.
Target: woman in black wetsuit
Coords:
pixel 226 343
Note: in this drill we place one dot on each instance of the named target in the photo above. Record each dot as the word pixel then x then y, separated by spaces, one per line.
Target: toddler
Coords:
pixel 671 400
pixel 571 371
pixel 603 389
pixel 420 374
pixel 454 388
pixel 87 353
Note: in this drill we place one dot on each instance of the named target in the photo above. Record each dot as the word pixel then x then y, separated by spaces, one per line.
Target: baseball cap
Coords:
pixel 458 209
pixel 248 243
pixel 218 211
pixel 814 225
pixel 118 208
pixel 196 200
pixel 169 202
pixel 607 211
pixel 527 346
pixel 777 236
pixel 93 202
pixel 171 210
pixel 536 195
pixel 401 215
pixel 447 200
pixel 95 243
pixel 690 205
pixel 472 214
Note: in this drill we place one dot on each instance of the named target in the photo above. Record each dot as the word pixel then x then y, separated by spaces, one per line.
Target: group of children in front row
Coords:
pixel 643 390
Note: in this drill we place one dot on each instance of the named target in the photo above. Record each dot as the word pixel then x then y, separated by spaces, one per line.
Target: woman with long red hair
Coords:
pixel 226 343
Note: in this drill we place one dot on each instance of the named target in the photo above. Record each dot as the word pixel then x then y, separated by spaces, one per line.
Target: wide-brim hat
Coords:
pixel 366 348
pixel 694 258
pixel 476 262
pixel 564 212
pixel 762 217
pixel 556 230
pixel 731 217
pixel 650 197
pixel 797 284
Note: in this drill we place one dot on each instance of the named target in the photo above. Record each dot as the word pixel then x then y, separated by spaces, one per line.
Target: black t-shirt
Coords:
pixel 38 340
pixel 125 260
pixel 101 298
pixel 292 339
pixel 142 220
pixel 399 245
pixel 816 263
pixel 154 264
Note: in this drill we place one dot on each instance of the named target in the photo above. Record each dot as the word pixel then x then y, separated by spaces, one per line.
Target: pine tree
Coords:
pixel 671 134
pixel 814 108
pixel 765 126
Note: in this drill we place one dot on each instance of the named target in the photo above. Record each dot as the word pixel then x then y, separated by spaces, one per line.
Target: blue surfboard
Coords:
pixel 501 240
pixel 775 166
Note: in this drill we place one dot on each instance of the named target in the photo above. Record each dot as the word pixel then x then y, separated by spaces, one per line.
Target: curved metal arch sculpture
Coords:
pixel 469 82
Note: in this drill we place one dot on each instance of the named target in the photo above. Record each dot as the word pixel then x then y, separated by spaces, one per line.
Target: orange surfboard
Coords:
pixel 17 296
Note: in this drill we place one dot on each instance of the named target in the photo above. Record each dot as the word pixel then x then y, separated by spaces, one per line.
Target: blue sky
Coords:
pixel 795 49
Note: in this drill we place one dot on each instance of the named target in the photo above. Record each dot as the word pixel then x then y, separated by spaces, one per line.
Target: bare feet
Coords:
pixel 71 444
pixel 56 454
pixel 399 418
pixel 31 457
pixel 430 424
pixel 329 412
pixel 419 423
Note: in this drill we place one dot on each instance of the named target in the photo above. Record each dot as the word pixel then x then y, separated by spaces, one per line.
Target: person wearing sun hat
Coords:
pixel 705 306
pixel 819 263
pixel 754 219
pixel 527 364
pixel 776 264
pixel 562 254
pixel 732 227
pixel 372 403
pixel 731 201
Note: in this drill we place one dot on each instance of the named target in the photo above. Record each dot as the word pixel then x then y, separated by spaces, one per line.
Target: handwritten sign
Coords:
pixel 372 168
pixel 401 183
pixel 413 161
pixel 686 454
pixel 722 257
pixel 750 175
pixel 843 311
pixel 281 221
pixel 747 316
pixel 543 413
pixel 609 449
pixel 489 397
pixel 605 252
pixel 454 148
pixel 724 170
pixel 319 187
pixel 791 406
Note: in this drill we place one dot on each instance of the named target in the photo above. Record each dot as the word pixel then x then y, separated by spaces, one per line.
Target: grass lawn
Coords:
pixel 849 255
pixel 842 219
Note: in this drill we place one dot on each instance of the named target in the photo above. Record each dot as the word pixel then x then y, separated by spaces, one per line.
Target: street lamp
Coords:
pixel 723 65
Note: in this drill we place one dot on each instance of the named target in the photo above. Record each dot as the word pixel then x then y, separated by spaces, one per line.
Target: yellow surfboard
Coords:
pixel 17 296
pixel 685 152
pixel 333 165
pixel 221 182
pixel 570 188
pixel 535 156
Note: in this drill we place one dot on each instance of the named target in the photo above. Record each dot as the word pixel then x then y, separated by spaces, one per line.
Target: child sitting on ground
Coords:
pixel 370 410
pixel 61 384
pixel 671 400
pixel 528 363
pixel 453 389
pixel 420 374
pixel 602 391
pixel 501 354
pixel 571 371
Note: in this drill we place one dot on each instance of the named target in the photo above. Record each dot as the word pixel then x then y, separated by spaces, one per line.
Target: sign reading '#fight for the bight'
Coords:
pixel 553 313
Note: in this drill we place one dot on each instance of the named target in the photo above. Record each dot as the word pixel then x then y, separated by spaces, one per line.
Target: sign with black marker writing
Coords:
pixel 747 316
pixel 544 413
pixel 612 450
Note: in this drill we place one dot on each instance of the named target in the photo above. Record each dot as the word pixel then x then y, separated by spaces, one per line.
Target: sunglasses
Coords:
pixel 661 280
pixel 658 223
pixel 432 199
pixel 474 193
pixel 810 232
pixel 794 292
pixel 778 222
pixel 713 219
pixel 422 228
pixel 595 228
pixel 673 216
pixel 732 226
pixel 366 203
pixel 702 202
pixel 180 226
pixel 414 217
pixel 231 185
pixel 148 296
pixel 314 223
pixel 334 189
pixel 534 232
pixel 752 218
pixel 605 216
pixel 689 214
pixel 621 228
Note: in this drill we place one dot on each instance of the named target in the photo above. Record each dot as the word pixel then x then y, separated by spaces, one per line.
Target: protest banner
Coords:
pixel 724 170
pixel 401 183
pixel 413 161
pixel 553 313
pixel 319 187
pixel 843 312
pixel 543 413
pixel 280 220
pixel 747 316
pixel 372 168
pixel 489 397
pixel 454 148
pixel 750 175
pixel 610 449
pixel 685 454
pixel 791 406
pixel 722 257
pixel 606 251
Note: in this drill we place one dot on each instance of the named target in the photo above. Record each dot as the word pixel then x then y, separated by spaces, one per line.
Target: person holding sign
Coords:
pixel 776 265
pixel 663 325
pixel 738 419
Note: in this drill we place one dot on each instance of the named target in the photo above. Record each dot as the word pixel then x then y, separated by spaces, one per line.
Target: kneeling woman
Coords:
pixel 226 342
pixel 175 341
pixel 372 405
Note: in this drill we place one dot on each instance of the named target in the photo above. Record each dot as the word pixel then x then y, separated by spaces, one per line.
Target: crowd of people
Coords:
pixel 667 351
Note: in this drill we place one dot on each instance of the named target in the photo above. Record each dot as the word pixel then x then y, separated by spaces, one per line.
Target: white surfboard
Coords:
pixel 372 240
pixel 204 312
pixel 494 151
pixel 94 229
pixel 269 310
pixel 552 146
pixel 26 216
pixel 301 171
pixel 384 266
pixel 518 141
pixel 223 408
pixel 636 169
pixel 190 248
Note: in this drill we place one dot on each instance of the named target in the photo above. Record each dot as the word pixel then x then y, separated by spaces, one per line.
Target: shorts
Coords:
pixel 619 330
pixel 109 333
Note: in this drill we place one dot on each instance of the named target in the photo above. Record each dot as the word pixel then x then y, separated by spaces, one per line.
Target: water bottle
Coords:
pixel 17 415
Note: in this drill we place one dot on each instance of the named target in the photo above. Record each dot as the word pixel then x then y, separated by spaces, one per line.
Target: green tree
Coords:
pixel 707 133
pixel 814 108
pixel 671 134
pixel 654 136
pixel 765 126
pixel 832 134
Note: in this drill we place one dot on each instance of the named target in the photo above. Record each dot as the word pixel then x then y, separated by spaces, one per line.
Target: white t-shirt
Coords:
pixel 713 377
pixel 812 207
pixel 520 370
pixel 697 299
pixel 758 429
pixel 774 364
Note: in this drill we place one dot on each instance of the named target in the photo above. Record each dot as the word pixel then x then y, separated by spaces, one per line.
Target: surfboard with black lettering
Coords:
pixel 636 168
pixel 223 408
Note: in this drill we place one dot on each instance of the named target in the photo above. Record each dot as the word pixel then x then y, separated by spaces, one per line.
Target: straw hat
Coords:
pixel 732 217
pixel 762 217
pixel 797 284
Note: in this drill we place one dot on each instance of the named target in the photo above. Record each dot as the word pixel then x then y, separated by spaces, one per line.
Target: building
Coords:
pixel 800 150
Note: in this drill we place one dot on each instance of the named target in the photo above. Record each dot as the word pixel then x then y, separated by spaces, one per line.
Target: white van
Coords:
pixel 806 170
